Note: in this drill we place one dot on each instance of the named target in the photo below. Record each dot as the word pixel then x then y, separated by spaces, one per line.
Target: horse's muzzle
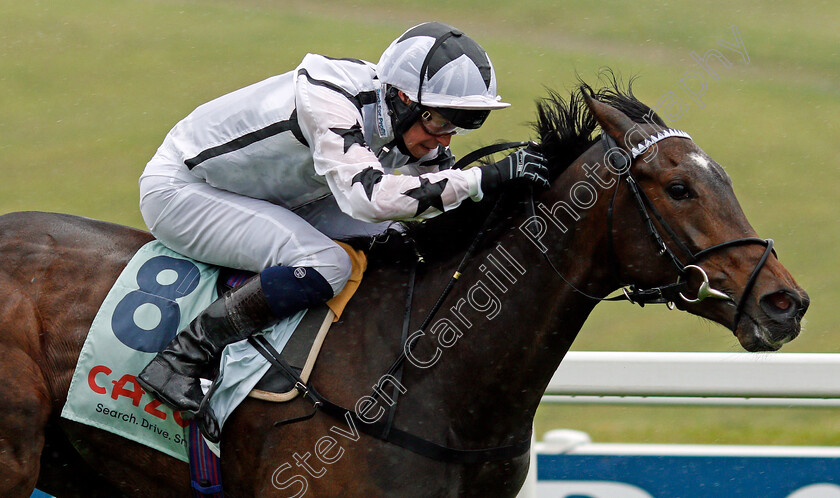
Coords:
pixel 776 321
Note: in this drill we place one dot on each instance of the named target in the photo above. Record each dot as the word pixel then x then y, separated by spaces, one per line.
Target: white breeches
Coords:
pixel 226 229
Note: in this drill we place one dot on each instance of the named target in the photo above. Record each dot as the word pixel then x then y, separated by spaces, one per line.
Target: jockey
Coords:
pixel 260 180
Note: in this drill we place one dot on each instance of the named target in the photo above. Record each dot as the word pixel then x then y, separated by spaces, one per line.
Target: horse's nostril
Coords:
pixel 780 300
pixel 781 305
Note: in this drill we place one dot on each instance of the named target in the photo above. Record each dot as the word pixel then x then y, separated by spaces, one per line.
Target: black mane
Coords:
pixel 566 129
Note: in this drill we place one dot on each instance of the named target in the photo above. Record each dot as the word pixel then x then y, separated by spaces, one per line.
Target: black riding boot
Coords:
pixel 173 375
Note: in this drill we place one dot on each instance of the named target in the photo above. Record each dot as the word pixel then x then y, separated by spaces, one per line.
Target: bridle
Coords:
pixel 621 162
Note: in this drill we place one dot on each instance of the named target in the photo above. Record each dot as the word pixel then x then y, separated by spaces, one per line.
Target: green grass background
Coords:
pixel 89 88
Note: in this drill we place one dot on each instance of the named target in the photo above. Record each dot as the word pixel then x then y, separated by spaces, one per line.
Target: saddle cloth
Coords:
pixel 158 294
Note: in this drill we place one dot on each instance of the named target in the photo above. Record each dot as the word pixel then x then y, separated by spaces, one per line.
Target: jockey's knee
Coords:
pixel 289 289
pixel 335 266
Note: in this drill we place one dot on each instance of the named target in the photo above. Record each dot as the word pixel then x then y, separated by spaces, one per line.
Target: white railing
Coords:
pixel 750 379
pixel 782 379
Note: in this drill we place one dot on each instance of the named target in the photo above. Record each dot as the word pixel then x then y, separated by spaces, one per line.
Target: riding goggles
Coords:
pixel 455 122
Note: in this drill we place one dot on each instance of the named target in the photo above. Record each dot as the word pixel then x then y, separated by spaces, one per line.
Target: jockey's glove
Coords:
pixel 526 164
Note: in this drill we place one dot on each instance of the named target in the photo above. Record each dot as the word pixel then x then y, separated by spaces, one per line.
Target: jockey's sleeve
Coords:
pixel 332 123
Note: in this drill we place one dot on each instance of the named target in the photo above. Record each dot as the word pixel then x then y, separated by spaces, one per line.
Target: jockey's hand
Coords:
pixel 526 164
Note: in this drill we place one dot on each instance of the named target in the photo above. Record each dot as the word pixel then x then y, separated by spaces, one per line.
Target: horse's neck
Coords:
pixel 514 318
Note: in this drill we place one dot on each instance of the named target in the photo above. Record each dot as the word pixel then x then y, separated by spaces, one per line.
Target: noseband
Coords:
pixel 670 293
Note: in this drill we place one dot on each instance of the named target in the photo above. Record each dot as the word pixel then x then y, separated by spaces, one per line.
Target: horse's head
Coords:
pixel 674 219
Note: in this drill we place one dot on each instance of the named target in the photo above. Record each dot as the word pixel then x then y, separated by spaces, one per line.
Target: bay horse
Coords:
pixel 621 211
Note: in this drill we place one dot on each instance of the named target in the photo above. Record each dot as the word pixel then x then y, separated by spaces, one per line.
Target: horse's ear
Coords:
pixel 614 122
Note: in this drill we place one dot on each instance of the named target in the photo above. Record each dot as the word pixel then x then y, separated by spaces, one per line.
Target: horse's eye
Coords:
pixel 678 191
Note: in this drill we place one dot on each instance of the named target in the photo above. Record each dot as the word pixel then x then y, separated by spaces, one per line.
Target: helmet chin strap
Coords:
pixel 403 115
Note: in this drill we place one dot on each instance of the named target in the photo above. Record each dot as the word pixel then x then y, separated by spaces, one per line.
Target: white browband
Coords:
pixel 662 135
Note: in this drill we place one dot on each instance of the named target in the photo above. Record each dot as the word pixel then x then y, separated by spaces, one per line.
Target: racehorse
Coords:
pixel 640 207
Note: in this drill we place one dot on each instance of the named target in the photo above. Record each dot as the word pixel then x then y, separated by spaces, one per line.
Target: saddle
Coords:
pixel 301 351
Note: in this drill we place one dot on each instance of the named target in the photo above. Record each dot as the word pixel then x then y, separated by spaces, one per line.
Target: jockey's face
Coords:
pixel 421 139
pixel 420 142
